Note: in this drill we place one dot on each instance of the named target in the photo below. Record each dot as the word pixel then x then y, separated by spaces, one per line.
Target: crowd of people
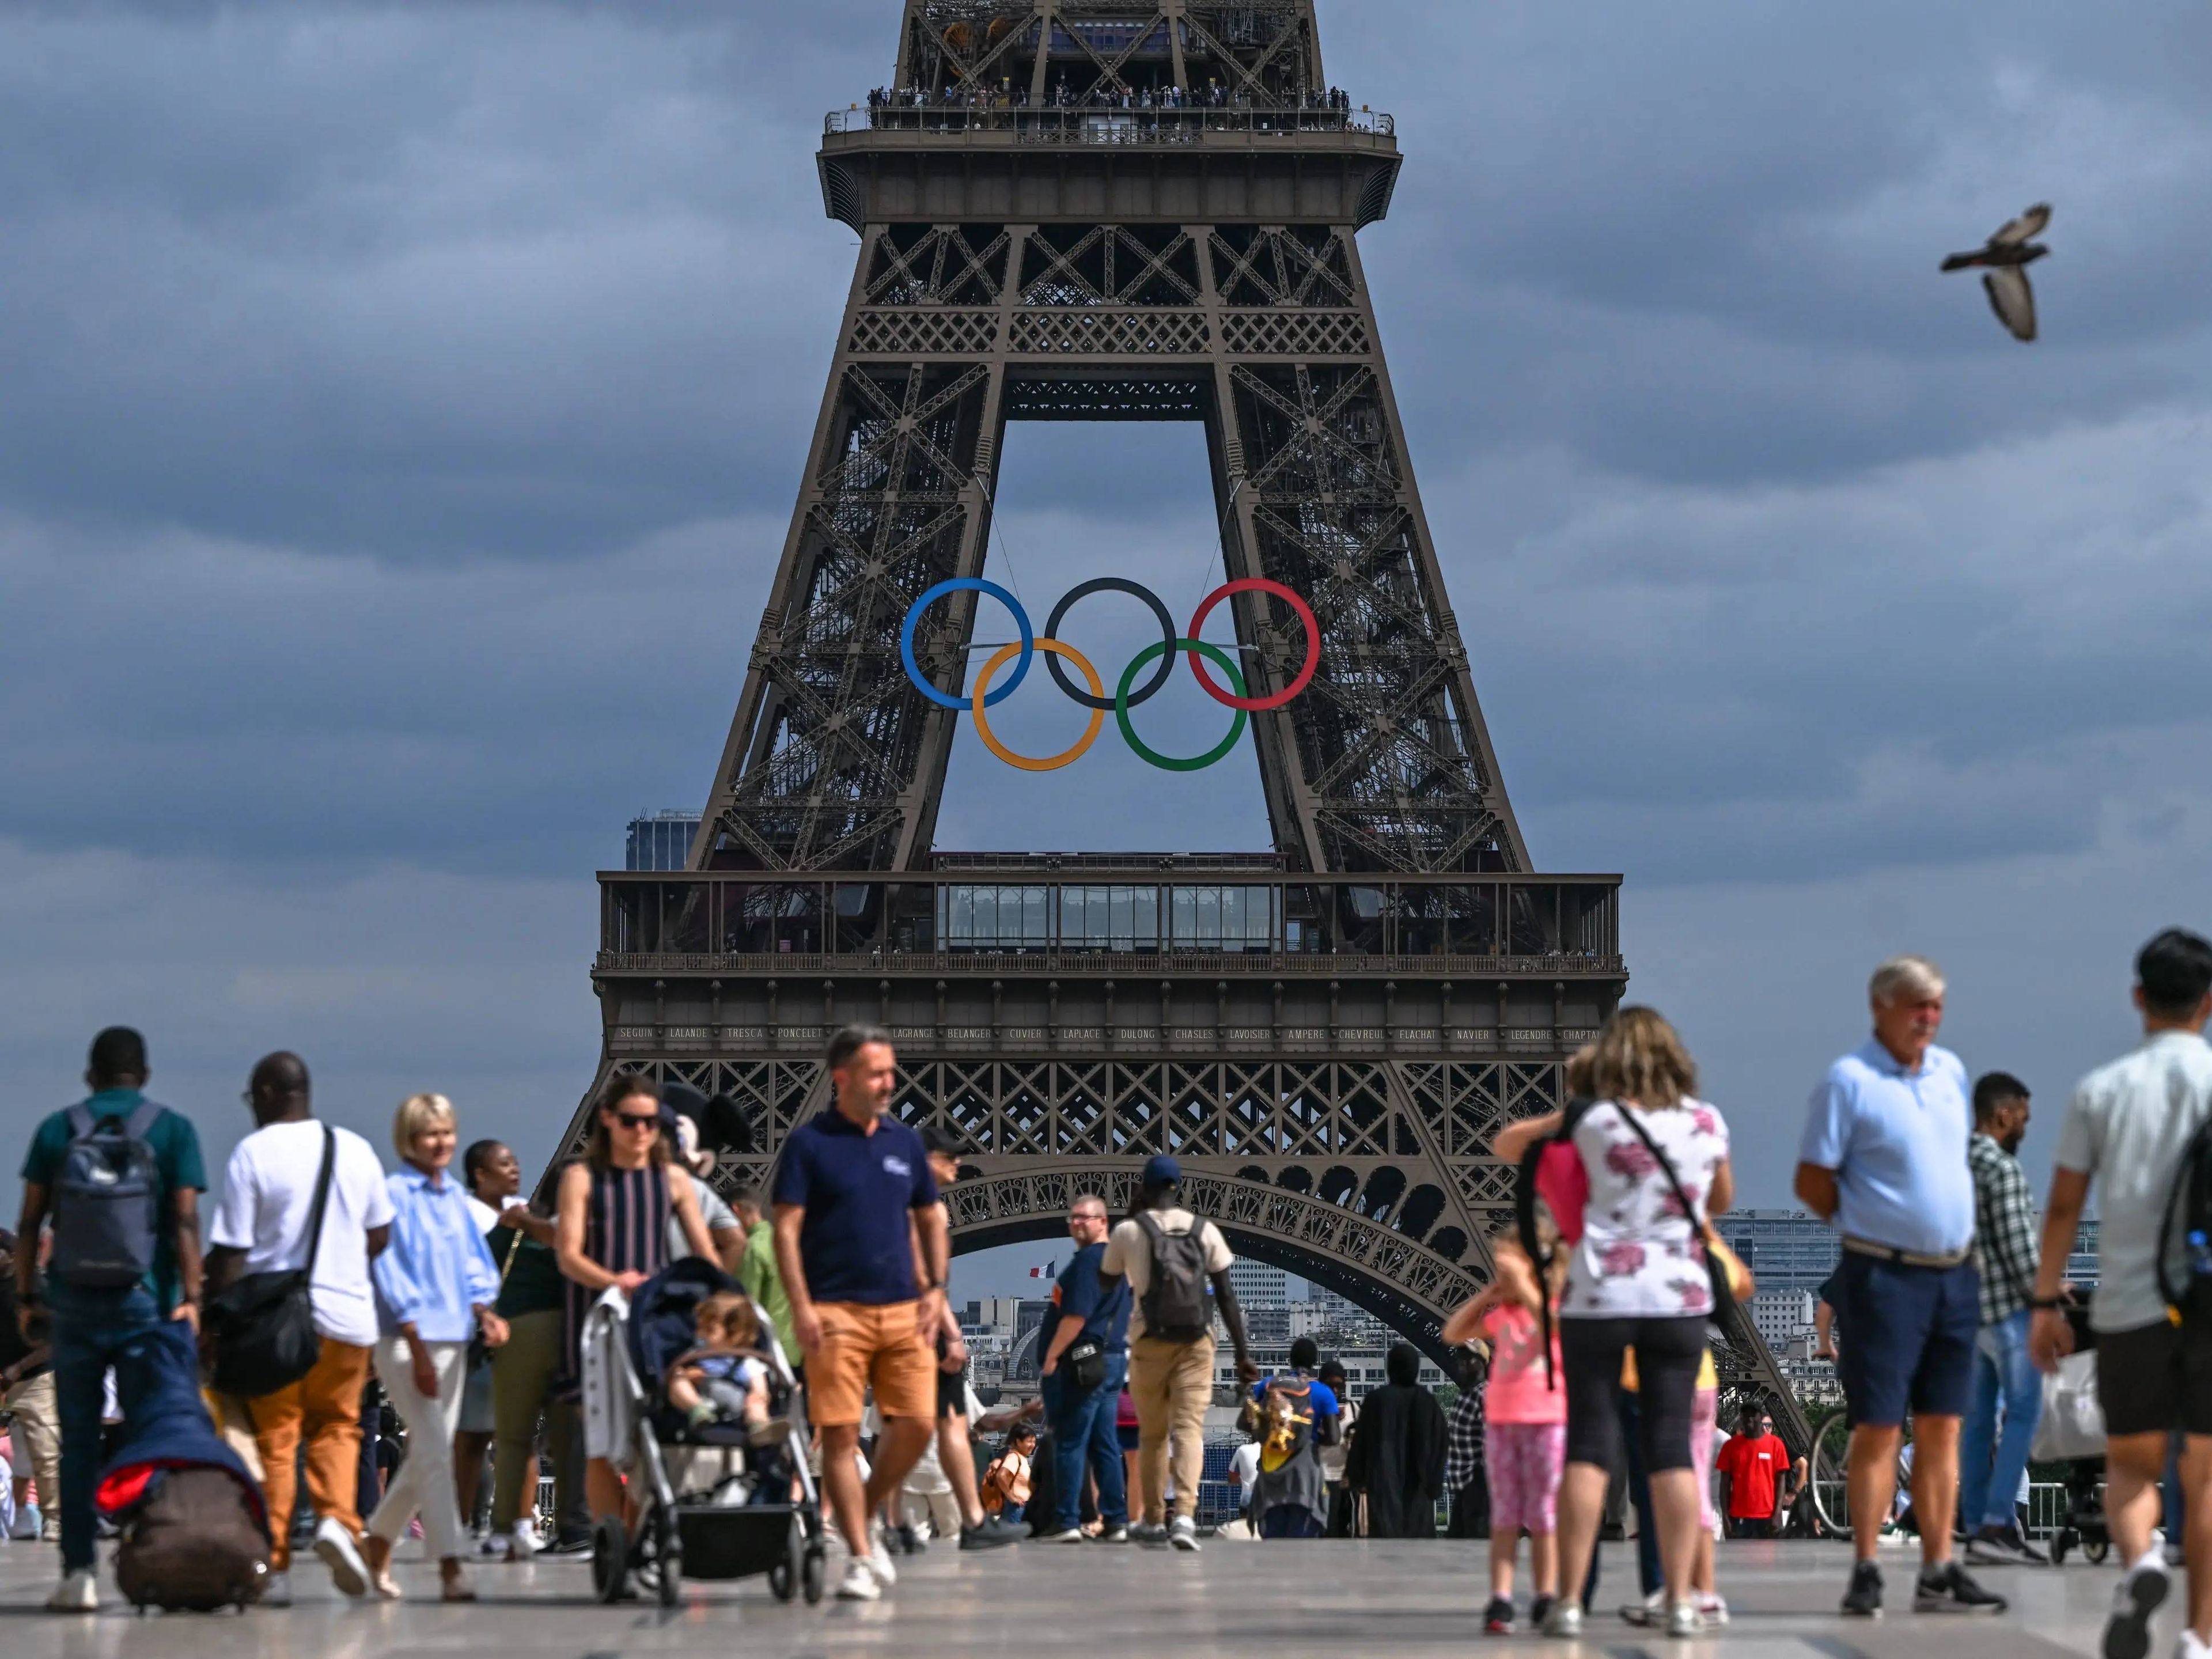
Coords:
pixel 460 1306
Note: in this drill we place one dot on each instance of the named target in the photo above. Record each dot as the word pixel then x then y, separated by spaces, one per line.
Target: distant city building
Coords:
pixel 661 841
pixel 2082 1266
pixel 1255 1281
pixel 1782 1317
pixel 1785 1250
pixel 1336 1323
pixel 1363 1368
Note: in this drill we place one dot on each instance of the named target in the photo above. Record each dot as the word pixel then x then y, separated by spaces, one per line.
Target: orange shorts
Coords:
pixel 862 1345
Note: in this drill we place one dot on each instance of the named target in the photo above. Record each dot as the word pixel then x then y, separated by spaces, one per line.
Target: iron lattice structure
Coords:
pixel 1095 210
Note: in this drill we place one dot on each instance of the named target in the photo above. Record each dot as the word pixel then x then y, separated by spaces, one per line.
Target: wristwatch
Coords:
pixel 2046 1304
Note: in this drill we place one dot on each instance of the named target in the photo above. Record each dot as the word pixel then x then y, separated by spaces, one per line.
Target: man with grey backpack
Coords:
pixel 120 1175
pixel 1170 1258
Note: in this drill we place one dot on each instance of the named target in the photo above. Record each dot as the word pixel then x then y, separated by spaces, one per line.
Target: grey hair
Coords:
pixel 850 1040
pixel 1901 976
pixel 1082 1198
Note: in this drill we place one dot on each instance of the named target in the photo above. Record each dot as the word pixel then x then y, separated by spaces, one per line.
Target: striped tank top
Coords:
pixel 625 1230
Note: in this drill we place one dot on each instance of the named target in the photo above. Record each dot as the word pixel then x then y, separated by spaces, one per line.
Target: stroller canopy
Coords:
pixel 663 1316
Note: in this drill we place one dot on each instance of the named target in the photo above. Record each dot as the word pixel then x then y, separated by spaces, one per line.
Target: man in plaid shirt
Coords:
pixel 1466 1468
pixel 2006 1234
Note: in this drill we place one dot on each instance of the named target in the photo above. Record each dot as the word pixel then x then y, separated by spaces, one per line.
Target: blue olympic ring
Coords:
pixel 965 584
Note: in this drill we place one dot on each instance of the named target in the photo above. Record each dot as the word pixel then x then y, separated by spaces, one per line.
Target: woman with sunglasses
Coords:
pixel 610 1230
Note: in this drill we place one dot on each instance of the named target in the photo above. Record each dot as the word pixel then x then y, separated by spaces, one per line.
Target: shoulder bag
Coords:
pixel 265 1325
pixel 1731 1280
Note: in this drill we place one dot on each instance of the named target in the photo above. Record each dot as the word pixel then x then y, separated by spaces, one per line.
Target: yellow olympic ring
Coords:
pixel 1067 756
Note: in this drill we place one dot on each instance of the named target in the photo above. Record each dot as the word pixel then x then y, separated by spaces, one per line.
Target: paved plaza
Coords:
pixel 1237 1598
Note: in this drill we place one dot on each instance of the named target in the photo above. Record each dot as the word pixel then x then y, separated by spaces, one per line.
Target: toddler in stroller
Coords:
pixel 720 1492
pixel 723 1380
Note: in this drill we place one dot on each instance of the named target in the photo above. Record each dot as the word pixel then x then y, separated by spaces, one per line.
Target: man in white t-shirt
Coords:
pixel 1171 1371
pixel 263 1225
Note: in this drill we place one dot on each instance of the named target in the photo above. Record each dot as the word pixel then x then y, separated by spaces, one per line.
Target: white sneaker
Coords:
pixel 78 1592
pixel 2189 1647
pixel 859 1584
pixel 1182 1535
pixel 1564 1621
pixel 1712 1609
pixel 522 1542
pixel 879 1561
pixel 335 1546
pixel 277 1590
pixel 1682 1619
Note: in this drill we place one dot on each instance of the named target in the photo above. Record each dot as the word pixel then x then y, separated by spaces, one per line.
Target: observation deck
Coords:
pixel 1237 163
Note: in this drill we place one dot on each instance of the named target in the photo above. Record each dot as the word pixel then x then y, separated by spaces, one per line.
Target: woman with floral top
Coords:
pixel 1637 1280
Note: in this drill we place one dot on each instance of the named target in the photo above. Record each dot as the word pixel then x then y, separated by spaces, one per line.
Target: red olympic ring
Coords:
pixel 1256 585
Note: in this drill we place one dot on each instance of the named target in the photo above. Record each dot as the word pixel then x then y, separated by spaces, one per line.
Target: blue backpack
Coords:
pixel 107 1201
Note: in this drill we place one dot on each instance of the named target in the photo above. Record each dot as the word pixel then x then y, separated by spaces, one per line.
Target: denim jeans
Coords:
pixel 1083 1428
pixel 1991 1465
pixel 93 1330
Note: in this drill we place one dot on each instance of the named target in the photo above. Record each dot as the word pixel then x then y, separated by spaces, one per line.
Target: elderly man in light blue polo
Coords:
pixel 1884 1160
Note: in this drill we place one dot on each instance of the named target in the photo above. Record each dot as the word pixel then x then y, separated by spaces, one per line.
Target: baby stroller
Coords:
pixel 706 1504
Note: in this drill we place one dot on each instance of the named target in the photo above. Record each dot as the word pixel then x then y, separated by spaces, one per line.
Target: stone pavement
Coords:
pixel 1237 1598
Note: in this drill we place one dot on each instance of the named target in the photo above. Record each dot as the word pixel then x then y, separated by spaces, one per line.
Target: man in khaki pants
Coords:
pixel 1171 1365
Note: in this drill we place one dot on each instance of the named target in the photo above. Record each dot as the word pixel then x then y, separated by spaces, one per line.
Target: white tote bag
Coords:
pixel 2073 1422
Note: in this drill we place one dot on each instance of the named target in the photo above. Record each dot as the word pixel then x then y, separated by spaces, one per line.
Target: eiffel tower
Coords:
pixel 1140 210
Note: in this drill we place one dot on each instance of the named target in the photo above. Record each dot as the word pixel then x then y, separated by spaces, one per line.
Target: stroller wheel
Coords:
pixel 609 1559
pixel 2060 1542
pixel 2095 1550
pixel 668 1557
pixel 815 1573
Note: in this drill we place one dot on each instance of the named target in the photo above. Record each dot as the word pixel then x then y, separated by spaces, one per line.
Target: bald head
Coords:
pixel 280 1088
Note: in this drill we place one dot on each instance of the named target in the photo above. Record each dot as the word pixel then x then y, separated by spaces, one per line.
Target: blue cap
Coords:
pixel 1161 1171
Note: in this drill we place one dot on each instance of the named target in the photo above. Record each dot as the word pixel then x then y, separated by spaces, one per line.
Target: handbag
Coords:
pixel 265 1324
pixel 1084 1362
pixel 2073 1421
pixel 1732 1281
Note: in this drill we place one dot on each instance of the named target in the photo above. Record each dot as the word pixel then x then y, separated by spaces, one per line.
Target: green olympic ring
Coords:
pixel 1169 763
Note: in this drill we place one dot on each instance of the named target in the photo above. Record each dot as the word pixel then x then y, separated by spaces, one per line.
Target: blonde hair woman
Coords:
pixel 1638 1279
pixel 435 1285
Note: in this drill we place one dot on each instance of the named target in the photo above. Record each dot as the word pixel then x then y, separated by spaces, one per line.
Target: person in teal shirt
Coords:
pixel 95 1329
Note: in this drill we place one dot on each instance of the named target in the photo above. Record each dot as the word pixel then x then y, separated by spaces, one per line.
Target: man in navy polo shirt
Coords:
pixel 1884 1159
pixel 862 1246
pixel 1093 1314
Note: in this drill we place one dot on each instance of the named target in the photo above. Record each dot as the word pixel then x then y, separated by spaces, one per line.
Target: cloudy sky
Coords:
pixel 401 407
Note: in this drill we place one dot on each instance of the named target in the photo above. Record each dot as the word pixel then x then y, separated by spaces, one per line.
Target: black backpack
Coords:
pixel 107 1200
pixel 1175 1303
pixel 2189 1211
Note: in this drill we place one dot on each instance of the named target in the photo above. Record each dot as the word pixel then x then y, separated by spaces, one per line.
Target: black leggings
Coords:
pixel 1668 1352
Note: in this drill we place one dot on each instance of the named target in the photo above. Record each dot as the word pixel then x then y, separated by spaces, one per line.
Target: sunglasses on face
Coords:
pixel 636 1121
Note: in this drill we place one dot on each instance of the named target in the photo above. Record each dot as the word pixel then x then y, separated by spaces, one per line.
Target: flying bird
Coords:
pixel 2006 256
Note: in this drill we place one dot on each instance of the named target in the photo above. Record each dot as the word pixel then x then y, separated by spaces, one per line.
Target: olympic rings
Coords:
pixel 1067 756
pixel 1167 762
pixel 1127 694
pixel 1258 585
pixel 963 585
pixel 1118 584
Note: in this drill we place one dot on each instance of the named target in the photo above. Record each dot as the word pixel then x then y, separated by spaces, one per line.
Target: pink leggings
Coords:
pixel 1525 1460
pixel 1705 1412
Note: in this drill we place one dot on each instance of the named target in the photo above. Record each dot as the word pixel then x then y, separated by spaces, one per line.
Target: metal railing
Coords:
pixel 1099 124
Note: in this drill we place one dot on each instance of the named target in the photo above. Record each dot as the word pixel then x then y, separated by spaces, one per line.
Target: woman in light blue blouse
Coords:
pixel 435 1285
